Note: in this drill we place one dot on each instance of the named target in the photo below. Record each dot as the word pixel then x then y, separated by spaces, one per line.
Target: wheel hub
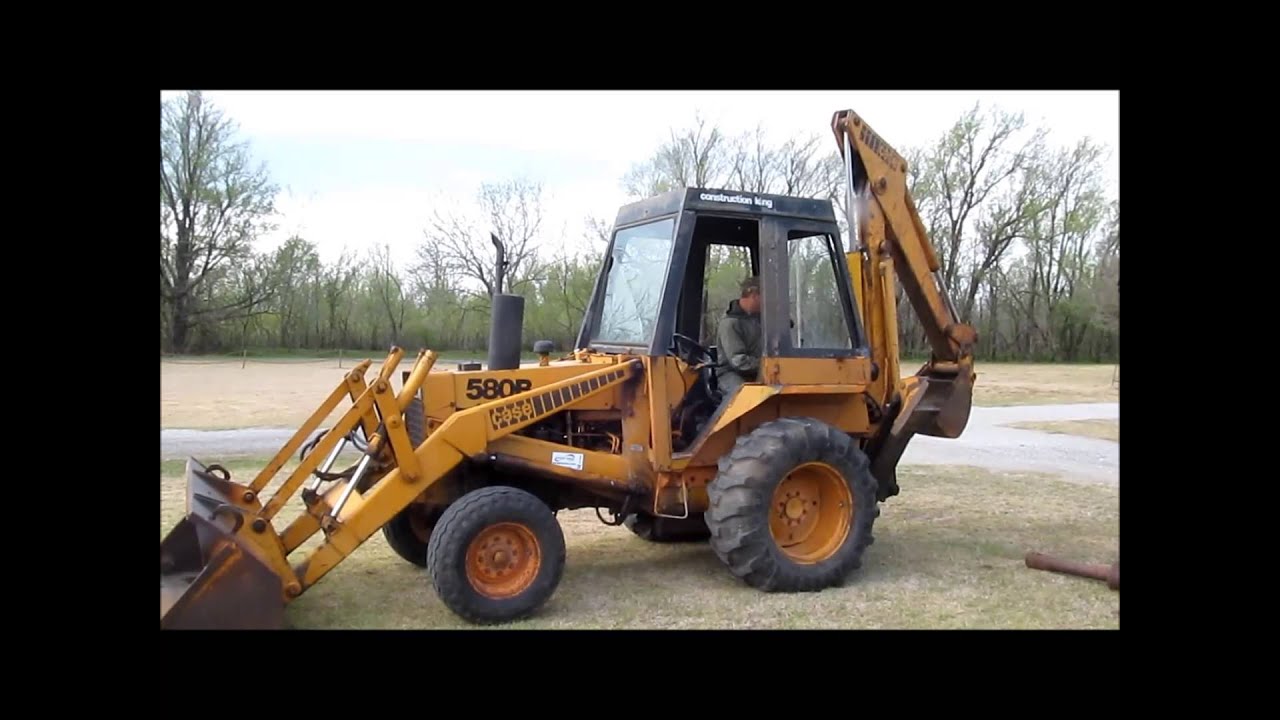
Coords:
pixel 797 511
pixel 503 560
pixel 498 554
pixel 812 512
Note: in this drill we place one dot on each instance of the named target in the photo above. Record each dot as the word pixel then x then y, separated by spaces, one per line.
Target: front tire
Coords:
pixel 496 555
pixel 409 532
pixel 792 506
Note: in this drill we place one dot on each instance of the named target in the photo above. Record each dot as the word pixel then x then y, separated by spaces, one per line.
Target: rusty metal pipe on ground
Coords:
pixel 1108 574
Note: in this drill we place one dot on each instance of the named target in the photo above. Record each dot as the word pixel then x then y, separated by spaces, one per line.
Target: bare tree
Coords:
pixel 294 264
pixel 447 247
pixel 1005 219
pixel 698 156
pixel 1107 272
pixel 755 166
pixel 212 206
pixel 805 168
pixel 340 284
pixel 454 241
pixel 702 156
pixel 431 276
pixel 514 210
pixel 388 290
pixel 966 166
pixel 248 287
pixel 1034 257
pixel 598 232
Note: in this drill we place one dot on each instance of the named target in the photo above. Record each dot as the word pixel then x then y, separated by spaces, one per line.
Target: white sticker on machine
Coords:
pixel 569 460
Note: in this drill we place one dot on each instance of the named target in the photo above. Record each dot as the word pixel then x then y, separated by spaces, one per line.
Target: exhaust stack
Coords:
pixel 506 322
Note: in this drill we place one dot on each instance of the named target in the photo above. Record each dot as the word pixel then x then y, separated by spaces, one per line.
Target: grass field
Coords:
pixel 1101 429
pixel 1042 384
pixel 948 554
pixel 222 394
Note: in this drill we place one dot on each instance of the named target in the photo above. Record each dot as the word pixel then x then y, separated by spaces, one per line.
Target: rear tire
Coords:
pixel 409 532
pixel 792 507
pixel 668 530
pixel 496 555
pixel 415 421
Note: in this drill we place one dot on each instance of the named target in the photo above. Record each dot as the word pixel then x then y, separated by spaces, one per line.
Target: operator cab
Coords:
pixel 675 263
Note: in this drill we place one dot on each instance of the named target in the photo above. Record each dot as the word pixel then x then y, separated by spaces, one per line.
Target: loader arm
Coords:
pixel 888 244
pixel 215 576
pixel 467 433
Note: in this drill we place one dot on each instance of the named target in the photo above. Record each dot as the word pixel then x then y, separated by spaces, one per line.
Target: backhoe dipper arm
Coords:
pixel 871 164
pixel 892 244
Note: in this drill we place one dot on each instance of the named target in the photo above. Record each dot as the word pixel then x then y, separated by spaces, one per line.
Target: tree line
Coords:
pixel 1028 240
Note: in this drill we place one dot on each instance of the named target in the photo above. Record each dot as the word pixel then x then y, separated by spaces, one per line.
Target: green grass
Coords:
pixel 1100 429
pixel 1041 384
pixel 948 554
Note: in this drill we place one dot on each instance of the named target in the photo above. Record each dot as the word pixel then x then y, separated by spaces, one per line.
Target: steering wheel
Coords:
pixel 695 353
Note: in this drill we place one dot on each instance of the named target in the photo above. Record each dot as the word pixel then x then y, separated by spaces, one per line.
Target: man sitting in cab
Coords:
pixel 739 340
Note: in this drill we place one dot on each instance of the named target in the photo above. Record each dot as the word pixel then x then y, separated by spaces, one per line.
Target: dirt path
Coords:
pixel 986 443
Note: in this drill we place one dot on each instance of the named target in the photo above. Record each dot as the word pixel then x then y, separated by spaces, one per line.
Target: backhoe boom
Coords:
pixel 893 244
pixel 871 164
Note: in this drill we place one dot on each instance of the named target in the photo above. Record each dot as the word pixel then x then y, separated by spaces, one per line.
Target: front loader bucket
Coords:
pixel 210 578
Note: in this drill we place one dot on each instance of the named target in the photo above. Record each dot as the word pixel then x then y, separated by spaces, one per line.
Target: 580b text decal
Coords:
pixel 494 388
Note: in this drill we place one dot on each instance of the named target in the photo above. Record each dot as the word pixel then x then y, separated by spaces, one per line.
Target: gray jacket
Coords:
pixel 739 343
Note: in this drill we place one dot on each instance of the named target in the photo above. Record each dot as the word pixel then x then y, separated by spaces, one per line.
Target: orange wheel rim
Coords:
pixel 811 513
pixel 503 560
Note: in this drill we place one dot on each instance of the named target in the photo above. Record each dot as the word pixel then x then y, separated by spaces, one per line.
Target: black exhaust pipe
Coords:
pixel 506 322
pixel 501 265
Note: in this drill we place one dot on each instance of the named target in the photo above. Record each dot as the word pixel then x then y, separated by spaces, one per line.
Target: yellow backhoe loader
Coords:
pixel 463 471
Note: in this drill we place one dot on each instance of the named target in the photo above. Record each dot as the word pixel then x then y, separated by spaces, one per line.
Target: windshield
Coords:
pixel 633 288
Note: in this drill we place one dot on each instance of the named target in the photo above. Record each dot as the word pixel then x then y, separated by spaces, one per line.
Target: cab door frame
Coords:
pixel 782 362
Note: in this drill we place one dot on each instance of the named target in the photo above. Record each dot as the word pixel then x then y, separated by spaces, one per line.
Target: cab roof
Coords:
pixel 724 202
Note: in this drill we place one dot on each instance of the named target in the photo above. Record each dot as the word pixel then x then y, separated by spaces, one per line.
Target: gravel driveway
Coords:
pixel 988 444
pixel 985 443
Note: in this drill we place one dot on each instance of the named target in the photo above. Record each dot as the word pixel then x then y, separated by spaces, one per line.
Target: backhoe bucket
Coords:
pixel 938 405
pixel 943 410
pixel 210 578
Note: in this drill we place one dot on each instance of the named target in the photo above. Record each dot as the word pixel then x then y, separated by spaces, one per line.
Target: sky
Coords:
pixel 360 168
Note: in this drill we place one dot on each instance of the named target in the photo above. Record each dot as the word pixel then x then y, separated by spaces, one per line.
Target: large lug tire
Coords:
pixel 415 421
pixel 409 532
pixel 792 506
pixel 668 530
pixel 496 555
